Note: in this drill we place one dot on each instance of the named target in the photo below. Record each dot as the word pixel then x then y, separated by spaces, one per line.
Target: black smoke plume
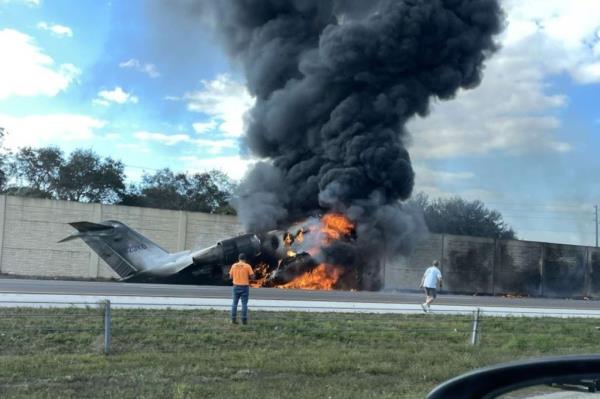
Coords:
pixel 335 82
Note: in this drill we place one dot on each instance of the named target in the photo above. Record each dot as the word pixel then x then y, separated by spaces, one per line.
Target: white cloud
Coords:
pixel 565 34
pixel 40 130
pixel 30 3
pixel 588 73
pixel 224 101
pixel 112 136
pixel 117 95
pixel 207 145
pixel 514 109
pixel 203 127
pixel 427 176
pixel 167 139
pixel 56 30
pixel 234 166
pixel 434 192
pixel 100 102
pixel 430 180
pixel 215 146
pixel 148 69
pixel 134 147
pixel 28 71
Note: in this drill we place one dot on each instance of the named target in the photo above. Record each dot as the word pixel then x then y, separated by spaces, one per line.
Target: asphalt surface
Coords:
pixel 60 287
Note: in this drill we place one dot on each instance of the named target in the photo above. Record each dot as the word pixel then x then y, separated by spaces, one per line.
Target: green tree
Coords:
pixel 3 161
pixel 37 171
pixel 210 192
pixel 458 216
pixel 164 189
pixel 200 192
pixel 86 177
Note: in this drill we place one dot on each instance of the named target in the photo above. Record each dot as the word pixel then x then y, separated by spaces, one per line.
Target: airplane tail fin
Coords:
pixel 126 251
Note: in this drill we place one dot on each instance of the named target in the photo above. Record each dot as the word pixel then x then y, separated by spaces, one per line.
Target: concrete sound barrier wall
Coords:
pixel 31 228
pixel 473 265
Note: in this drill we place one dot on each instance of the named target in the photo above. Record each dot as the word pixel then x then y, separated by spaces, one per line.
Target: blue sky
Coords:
pixel 154 90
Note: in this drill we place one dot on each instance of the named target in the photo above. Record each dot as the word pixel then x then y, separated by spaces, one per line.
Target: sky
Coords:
pixel 152 90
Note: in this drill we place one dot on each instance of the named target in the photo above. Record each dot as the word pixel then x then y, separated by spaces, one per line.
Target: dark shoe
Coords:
pixel 234 321
pixel 244 321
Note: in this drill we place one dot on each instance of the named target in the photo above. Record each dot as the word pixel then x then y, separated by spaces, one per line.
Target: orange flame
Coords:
pixel 322 277
pixel 261 271
pixel 336 225
pixel 331 227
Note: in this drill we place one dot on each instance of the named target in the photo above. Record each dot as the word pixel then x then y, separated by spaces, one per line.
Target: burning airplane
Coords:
pixel 335 83
pixel 295 258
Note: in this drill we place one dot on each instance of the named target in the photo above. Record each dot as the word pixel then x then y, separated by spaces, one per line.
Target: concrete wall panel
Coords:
pixel 204 229
pixel 44 263
pixel 594 270
pixel 405 272
pixel 517 269
pixel 32 228
pixel 564 271
pixel 467 264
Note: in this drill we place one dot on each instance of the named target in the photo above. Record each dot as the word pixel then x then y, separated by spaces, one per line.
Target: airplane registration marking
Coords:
pixel 134 248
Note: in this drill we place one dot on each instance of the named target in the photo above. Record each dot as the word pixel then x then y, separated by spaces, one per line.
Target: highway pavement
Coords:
pixel 63 287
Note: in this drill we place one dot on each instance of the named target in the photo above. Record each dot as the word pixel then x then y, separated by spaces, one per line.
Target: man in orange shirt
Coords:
pixel 240 273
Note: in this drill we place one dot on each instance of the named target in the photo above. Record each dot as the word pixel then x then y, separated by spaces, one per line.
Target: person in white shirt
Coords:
pixel 431 278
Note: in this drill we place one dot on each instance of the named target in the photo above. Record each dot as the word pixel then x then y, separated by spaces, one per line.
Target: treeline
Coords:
pixel 84 176
pixel 458 216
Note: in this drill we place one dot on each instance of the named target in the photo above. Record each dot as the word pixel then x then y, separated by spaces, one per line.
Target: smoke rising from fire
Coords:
pixel 335 83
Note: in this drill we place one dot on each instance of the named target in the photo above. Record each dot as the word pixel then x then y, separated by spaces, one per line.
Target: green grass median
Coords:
pixel 57 353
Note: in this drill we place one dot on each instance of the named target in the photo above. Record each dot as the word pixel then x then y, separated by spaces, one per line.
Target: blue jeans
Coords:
pixel 240 291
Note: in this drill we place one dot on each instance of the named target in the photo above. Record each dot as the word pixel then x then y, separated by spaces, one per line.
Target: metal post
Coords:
pixel 596 208
pixel 107 322
pixel 542 268
pixel 475 332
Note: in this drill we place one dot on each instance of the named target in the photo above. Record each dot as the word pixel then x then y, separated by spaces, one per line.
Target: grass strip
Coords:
pixel 198 353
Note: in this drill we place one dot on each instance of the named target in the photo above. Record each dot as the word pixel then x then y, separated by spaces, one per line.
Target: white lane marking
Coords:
pixel 118 301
